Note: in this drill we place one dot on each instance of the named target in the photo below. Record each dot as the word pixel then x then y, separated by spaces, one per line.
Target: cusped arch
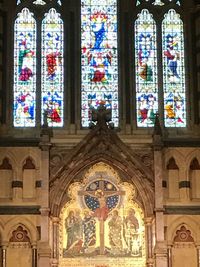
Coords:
pixel 129 170
pixel 14 223
pixel 190 224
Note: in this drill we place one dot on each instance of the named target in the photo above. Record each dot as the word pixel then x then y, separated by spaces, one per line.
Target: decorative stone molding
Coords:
pixel 44 211
pixel 20 235
pixel 183 235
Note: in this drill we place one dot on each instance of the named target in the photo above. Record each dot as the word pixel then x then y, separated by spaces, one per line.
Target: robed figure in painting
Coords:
pixel 73 225
pixel 89 231
pixel 115 233
pixel 131 233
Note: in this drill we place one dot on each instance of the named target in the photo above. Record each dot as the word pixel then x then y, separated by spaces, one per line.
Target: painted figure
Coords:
pixel 131 232
pixel 89 231
pixel 115 233
pixel 144 56
pixel 25 62
pixel 73 226
pixel 173 56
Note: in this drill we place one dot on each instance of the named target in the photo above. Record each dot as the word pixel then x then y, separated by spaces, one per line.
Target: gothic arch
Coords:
pixel 189 222
pixel 29 163
pixel 130 171
pixel 12 159
pixel 192 155
pixel 177 155
pixel 34 156
pixel 12 225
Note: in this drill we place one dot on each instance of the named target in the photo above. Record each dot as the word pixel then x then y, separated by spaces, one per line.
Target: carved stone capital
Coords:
pixel 150 262
pixel 44 211
pixel 55 220
pixel 148 220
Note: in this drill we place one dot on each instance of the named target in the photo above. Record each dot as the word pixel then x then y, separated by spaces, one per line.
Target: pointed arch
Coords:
pixel 52 72
pixel 194 178
pixel 173 70
pixel 13 223
pixel 189 222
pixel 146 69
pixel 172 179
pixel 28 164
pixel 99 58
pixel 5 165
pixel 171 165
pixel 24 106
pixel 131 172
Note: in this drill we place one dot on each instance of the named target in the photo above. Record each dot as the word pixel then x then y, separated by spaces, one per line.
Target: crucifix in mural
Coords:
pixel 102 219
pixel 100 197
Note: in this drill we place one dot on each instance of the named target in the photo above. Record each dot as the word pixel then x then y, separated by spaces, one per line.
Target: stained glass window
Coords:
pixel 52 68
pixel 173 70
pixel 146 69
pixel 158 2
pixel 99 58
pixel 24 69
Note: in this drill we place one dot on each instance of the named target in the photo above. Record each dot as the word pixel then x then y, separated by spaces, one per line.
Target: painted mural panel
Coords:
pixel 102 222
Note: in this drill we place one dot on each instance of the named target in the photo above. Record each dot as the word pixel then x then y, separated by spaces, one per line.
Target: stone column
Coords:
pixel 169 250
pixel 198 256
pixel 55 241
pixel 44 250
pixel 34 255
pixel 149 241
pixel 160 246
pixel 4 252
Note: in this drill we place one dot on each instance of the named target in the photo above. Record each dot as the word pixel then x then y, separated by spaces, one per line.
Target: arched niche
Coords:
pixel 183 248
pixel 173 179
pixel 102 218
pixel 194 178
pixel 6 177
pixel 19 251
pixel 29 178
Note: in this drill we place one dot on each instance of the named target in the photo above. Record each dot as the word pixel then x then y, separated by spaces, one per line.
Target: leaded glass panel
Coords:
pixel 99 58
pixel 24 69
pixel 52 68
pixel 146 69
pixel 173 70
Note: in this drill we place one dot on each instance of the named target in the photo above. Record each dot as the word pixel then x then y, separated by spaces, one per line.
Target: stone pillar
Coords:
pixel 44 250
pixel 160 246
pixel 169 254
pixel 198 256
pixel 34 255
pixel 4 252
pixel 149 241
pixel 55 241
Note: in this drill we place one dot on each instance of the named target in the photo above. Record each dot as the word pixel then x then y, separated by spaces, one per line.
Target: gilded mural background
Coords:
pixel 102 221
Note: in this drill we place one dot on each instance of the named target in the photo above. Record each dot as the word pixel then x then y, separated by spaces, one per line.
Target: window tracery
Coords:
pixel 99 58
